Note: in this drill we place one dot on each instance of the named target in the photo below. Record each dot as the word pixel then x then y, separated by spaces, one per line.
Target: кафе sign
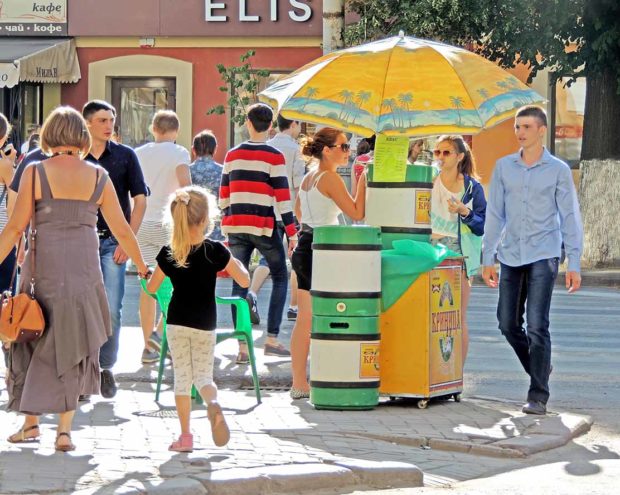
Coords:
pixel 33 17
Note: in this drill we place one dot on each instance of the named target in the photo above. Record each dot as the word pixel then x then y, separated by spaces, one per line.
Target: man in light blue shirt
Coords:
pixel 532 208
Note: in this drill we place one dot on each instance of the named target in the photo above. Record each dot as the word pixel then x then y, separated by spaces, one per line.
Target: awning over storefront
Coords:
pixel 38 60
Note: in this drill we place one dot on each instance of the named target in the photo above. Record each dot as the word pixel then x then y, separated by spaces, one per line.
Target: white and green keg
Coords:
pixel 346 271
pixel 401 209
pixel 344 362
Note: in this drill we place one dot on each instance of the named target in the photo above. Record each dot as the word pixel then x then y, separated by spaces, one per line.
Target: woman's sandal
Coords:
pixel 64 448
pixel 185 443
pixel 297 393
pixel 242 358
pixel 20 436
pixel 219 428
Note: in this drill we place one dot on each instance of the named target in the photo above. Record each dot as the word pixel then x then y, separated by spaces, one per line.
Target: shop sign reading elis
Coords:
pixel 299 11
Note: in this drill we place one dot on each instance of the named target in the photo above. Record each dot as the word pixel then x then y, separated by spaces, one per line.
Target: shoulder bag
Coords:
pixel 21 317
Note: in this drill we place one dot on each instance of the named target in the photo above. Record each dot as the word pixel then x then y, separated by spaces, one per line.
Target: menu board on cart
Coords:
pixel 390 158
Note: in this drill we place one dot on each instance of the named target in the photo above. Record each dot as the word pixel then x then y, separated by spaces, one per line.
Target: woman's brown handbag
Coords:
pixel 21 318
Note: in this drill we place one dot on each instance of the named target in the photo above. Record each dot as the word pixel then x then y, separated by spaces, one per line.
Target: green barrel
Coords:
pixel 344 362
pixel 401 209
pixel 346 271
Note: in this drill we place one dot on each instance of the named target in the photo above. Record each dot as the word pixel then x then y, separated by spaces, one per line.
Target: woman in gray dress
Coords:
pixel 48 375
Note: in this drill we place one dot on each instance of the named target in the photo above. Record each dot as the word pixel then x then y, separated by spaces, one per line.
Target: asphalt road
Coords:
pixel 585 333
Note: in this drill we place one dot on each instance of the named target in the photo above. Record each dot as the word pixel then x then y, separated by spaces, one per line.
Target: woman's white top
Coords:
pixel 444 223
pixel 316 208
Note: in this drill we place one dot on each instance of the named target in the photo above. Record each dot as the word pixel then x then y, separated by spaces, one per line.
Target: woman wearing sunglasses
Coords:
pixel 458 209
pixel 322 197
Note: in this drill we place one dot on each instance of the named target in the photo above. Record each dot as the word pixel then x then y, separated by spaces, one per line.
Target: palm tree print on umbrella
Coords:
pixel 361 98
pixel 309 93
pixel 457 103
pixel 485 95
pixel 347 96
pixel 391 104
pixel 508 84
pixel 502 84
pixel 513 82
pixel 406 99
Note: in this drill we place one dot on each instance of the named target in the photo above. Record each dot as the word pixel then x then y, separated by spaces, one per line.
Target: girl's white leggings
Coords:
pixel 192 357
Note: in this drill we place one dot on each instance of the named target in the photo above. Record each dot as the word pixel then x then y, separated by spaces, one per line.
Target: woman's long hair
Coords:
pixel 189 206
pixel 467 165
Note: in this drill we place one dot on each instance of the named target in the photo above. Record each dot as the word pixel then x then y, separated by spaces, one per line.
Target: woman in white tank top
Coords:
pixel 322 196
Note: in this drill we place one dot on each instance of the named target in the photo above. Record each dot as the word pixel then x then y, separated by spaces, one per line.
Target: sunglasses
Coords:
pixel 344 146
pixel 443 153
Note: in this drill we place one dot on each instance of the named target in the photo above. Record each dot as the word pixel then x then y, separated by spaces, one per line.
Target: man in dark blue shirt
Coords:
pixel 35 155
pixel 122 164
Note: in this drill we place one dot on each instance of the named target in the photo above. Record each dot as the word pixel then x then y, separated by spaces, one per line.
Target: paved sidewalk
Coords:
pixel 280 446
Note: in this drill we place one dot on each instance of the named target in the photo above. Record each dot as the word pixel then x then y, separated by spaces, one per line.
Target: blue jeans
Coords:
pixel 527 290
pixel 114 281
pixel 241 247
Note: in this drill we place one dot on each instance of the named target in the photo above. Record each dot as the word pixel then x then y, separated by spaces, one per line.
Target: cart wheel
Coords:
pixel 422 403
pixel 457 397
pixel 392 398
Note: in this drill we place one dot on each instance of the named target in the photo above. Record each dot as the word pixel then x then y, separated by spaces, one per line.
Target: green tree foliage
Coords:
pixel 570 37
pixel 241 83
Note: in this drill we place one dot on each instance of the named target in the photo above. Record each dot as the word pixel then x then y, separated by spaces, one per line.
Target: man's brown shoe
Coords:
pixel 276 350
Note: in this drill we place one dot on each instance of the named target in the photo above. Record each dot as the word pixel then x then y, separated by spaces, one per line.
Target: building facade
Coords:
pixel 147 55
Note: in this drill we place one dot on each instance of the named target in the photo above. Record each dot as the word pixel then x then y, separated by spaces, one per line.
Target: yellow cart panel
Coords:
pixel 421 337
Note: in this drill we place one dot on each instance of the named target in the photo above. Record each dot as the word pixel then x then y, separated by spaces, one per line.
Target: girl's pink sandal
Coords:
pixel 185 443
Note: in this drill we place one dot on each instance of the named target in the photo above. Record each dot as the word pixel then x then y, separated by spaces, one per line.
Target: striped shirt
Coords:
pixel 254 182
pixel 4 216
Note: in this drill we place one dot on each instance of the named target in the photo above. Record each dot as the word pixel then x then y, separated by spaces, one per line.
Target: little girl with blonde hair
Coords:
pixel 192 261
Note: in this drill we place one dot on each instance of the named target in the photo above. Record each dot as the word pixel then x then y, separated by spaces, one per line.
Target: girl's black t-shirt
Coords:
pixel 193 300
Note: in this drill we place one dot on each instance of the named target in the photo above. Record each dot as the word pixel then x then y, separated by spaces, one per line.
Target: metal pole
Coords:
pixel 333 25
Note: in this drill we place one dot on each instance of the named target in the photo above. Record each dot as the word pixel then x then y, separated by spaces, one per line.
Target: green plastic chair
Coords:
pixel 242 332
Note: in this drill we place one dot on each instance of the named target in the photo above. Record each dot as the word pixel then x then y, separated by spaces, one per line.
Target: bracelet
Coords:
pixel 146 275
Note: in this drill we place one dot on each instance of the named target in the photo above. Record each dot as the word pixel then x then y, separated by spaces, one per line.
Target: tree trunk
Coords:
pixel 599 198
pixel 333 25
pixel 601 121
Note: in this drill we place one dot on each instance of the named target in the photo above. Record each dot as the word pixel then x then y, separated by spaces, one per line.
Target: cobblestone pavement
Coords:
pixel 279 446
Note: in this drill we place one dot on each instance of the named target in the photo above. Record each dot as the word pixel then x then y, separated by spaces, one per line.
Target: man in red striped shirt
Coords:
pixel 254 183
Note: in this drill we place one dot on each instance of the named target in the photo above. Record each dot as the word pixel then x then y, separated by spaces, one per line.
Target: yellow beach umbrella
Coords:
pixel 401 86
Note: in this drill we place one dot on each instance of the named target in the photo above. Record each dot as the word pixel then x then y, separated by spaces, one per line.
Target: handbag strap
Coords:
pixel 33 235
